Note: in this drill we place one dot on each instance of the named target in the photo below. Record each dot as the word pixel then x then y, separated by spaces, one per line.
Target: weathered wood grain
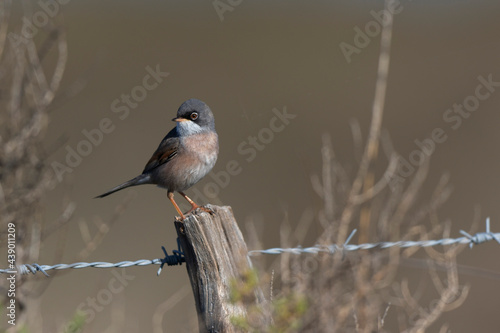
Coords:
pixel 215 254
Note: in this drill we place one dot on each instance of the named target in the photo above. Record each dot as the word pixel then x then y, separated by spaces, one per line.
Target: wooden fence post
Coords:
pixel 215 253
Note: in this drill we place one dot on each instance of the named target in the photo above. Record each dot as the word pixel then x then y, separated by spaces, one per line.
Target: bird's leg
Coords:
pixel 170 195
pixel 191 202
pixel 194 205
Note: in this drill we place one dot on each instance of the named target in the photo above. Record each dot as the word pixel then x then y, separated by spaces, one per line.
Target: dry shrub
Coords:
pixel 364 290
pixel 31 70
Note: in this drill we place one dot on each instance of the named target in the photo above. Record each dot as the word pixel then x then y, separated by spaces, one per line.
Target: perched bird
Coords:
pixel 184 156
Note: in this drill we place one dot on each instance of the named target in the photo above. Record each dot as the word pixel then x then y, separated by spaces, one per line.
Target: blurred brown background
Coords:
pixel 259 57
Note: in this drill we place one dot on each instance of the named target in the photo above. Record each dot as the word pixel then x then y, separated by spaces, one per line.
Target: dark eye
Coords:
pixel 194 116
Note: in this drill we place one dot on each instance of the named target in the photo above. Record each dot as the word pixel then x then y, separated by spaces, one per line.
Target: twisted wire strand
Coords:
pixel 33 268
pixel 478 238
pixel 177 258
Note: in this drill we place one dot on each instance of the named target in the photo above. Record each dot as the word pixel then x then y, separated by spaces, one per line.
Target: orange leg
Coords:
pixel 193 204
pixel 170 195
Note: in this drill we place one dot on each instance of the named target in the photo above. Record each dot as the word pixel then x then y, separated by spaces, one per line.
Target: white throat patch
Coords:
pixel 185 128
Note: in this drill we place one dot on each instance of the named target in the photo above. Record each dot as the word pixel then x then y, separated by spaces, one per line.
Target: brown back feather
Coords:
pixel 165 152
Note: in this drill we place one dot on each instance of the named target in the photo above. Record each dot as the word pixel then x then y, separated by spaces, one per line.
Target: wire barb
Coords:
pixel 26 269
pixel 177 257
pixel 478 238
pixel 481 237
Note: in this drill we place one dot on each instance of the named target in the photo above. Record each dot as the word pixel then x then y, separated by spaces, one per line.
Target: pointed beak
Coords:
pixel 179 119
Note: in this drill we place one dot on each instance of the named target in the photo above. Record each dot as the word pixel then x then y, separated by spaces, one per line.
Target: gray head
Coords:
pixel 194 116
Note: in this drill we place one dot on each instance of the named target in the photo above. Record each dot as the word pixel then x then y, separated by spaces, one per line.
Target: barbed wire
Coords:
pixel 177 258
pixel 478 238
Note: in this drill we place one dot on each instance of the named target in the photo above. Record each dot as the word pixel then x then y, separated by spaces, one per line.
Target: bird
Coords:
pixel 186 154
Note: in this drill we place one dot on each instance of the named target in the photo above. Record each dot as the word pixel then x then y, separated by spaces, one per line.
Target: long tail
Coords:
pixel 139 180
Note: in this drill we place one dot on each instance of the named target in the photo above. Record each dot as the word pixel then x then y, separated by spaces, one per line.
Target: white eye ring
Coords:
pixel 194 116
